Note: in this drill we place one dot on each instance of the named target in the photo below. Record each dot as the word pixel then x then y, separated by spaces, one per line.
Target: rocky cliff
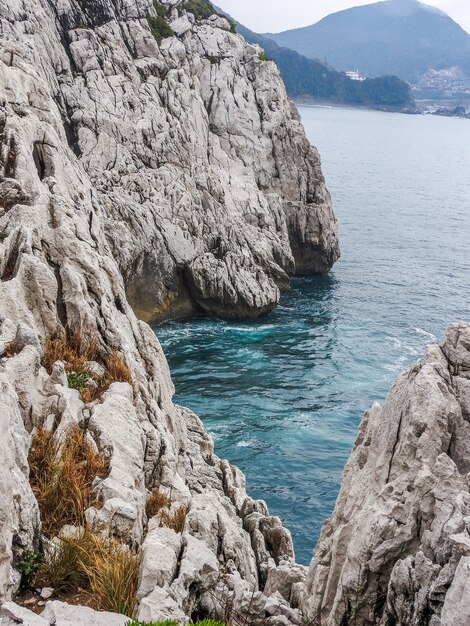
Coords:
pixel 164 174
pixel 155 175
pixel 396 551
pixel 209 194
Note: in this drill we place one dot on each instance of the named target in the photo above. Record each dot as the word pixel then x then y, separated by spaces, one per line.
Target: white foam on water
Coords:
pixel 425 333
pixel 246 443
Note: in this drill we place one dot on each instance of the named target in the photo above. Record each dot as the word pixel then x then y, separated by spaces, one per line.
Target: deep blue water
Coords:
pixel 283 396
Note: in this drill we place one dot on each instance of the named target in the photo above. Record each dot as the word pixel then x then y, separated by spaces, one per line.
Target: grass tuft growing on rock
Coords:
pixel 11 349
pixel 62 474
pixel 78 350
pixel 105 570
pixel 175 520
pixel 113 575
pixel 156 502
pixel 116 371
pixel 61 477
pixel 75 348
pixel 63 566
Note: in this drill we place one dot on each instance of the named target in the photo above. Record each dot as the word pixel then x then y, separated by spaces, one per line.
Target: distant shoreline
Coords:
pixel 344 105
pixel 421 107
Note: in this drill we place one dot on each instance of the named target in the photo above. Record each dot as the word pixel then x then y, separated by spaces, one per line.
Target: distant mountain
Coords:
pixel 401 37
pixel 307 78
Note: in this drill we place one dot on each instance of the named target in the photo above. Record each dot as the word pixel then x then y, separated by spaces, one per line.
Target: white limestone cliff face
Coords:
pixel 129 171
pixel 210 195
pixel 173 176
pixel 396 549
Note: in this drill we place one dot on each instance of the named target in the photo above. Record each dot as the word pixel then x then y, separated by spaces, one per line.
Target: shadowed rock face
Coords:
pixel 209 191
pixel 397 548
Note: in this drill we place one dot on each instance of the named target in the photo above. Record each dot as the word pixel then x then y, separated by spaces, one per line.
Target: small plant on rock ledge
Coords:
pixel 262 57
pixel 206 622
pixel 78 380
pixel 175 520
pixel 30 563
pixel 105 570
pixel 156 502
pixel 62 476
pixel 78 349
pixel 159 27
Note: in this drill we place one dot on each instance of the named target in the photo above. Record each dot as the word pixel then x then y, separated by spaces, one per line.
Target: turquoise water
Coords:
pixel 283 396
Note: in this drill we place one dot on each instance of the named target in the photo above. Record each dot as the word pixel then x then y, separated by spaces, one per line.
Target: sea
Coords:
pixel 283 396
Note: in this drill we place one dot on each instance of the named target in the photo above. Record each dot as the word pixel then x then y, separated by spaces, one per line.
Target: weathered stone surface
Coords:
pixel 63 614
pixel 11 614
pixel 133 170
pixel 160 553
pixel 19 519
pixel 210 192
pixel 396 549
pixel 117 430
pixel 456 609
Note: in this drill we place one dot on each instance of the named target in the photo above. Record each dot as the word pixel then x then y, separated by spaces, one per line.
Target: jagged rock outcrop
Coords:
pixel 168 175
pixel 209 192
pixel 174 176
pixel 396 550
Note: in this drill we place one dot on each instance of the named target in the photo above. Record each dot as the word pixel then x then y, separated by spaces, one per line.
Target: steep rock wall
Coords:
pixel 155 174
pixel 210 193
pixel 396 550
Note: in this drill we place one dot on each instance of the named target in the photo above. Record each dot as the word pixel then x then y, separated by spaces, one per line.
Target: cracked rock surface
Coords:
pixel 396 549
pixel 171 177
pixel 209 193
pixel 151 175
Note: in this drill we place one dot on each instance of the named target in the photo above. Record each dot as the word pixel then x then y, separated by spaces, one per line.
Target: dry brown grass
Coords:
pixel 175 520
pixel 105 570
pixel 11 349
pixel 76 349
pixel 117 370
pixel 61 476
pixel 113 576
pixel 156 502
pixel 63 567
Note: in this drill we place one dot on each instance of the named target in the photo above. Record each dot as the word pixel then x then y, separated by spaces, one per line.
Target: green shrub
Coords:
pixel 29 565
pixel 159 28
pixel 160 9
pixel 233 26
pixel 78 380
pixel 167 623
pixel 214 60
pixel 201 9
pixel 262 57
pixel 206 622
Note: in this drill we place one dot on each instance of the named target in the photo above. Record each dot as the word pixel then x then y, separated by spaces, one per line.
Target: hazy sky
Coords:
pixel 277 15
